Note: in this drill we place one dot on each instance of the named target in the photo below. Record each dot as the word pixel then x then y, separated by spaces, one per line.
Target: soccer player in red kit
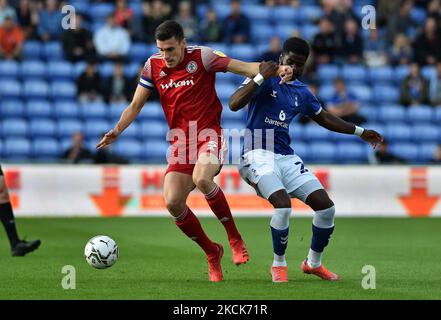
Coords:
pixel 185 80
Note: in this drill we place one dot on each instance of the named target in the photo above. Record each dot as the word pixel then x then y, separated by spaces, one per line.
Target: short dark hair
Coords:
pixel 296 45
pixel 169 29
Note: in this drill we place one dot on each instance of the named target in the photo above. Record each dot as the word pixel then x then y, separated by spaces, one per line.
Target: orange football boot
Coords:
pixel 239 252
pixel 214 265
pixel 321 272
pixel 279 274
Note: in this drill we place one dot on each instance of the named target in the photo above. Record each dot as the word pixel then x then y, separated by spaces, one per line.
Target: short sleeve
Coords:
pixel 146 78
pixel 214 60
pixel 311 105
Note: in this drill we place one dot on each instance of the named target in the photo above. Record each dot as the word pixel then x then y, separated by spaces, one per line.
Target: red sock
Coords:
pixel 189 224
pixel 219 205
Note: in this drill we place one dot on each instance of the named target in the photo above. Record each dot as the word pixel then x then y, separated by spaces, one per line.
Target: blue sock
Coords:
pixel 320 238
pixel 280 240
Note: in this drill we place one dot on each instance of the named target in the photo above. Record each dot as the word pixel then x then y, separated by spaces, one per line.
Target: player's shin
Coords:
pixel 279 231
pixel 190 225
pixel 8 220
pixel 219 205
pixel 322 228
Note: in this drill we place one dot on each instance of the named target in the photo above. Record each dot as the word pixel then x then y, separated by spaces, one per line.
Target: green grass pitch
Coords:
pixel 158 262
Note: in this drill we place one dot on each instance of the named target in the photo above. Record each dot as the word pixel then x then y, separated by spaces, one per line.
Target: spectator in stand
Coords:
pixel 275 49
pixel 154 14
pixel 49 25
pixel 437 156
pixel 427 46
pixel 123 14
pixel 6 11
pixel 399 21
pixel 111 41
pixel 105 156
pixel 27 17
pixel 188 22
pixel 89 84
pixel 117 87
pixel 339 12
pixel 325 43
pixel 11 40
pixel 435 87
pixel 236 27
pixel 385 9
pixel 352 43
pixel 384 156
pixel 434 11
pixel 414 88
pixel 77 153
pixel 374 49
pixel 78 42
pixel 344 104
pixel 401 51
pixel 211 28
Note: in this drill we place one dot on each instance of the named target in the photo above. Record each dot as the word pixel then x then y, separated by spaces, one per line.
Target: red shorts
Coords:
pixel 217 148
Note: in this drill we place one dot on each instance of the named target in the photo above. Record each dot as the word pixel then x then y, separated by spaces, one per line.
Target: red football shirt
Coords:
pixel 187 91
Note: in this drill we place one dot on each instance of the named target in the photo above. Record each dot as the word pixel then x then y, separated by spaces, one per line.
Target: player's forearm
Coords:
pixel 242 96
pixel 334 123
pixel 127 117
pixel 247 69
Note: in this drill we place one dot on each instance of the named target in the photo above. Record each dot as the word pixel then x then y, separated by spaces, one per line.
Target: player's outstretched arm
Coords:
pixel 251 69
pixel 243 95
pixel 129 114
pixel 336 124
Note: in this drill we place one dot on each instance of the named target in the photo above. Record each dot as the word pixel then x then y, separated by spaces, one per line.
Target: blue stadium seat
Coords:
pixel 153 129
pixel 426 152
pixel 46 148
pixel 327 72
pixel 102 10
pixel 261 32
pixel 398 132
pixel 375 126
pixel 66 110
pixel 155 150
pixel 286 30
pixel 33 70
pixel 258 13
pixel 42 128
pixel 228 115
pixel 354 73
pixel 79 68
pixel 244 52
pixel 63 90
pixel 129 148
pixel 301 149
pixel 11 108
pixel 437 115
pixel 309 13
pixel 10 90
pixel 222 10
pixel 131 70
pixel 35 89
pixel 420 114
pixel 60 70
pixel 32 50
pixel 381 74
pixel 105 69
pixel 15 127
pixel 297 132
pixel 426 133
pixel 201 11
pixel 67 127
pixel 115 110
pixel 400 73
pixel 428 72
pixel 384 94
pixel 93 129
pixel 39 109
pixel 53 51
pixel 362 92
pixel 326 92
pixel 370 112
pixel 225 77
pixel 419 15
pixel 323 152
pixel 225 91
pixel 17 148
pixel 94 110
pixel 9 69
pixel 391 113
pixel 408 151
pixel 348 152
pixel 133 131
pixel 1 147
pixel 309 31
pixel 284 14
pixel 139 52
pixel 314 132
pixel 152 111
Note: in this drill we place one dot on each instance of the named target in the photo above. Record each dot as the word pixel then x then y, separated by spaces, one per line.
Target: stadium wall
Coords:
pixel 86 190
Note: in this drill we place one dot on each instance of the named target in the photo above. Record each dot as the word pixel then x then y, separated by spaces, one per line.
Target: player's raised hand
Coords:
pixel 286 73
pixel 373 137
pixel 268 69
pixel 108 138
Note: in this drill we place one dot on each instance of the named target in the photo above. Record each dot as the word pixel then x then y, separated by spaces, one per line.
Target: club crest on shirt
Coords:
pixel 192 67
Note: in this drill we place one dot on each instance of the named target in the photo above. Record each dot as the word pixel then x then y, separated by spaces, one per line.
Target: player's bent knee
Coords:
pixel 204 184
pixel 324 218
pixel 175 206
pixel 280 199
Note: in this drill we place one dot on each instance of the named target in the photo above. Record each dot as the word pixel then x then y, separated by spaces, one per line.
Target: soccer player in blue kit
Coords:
pixel 272 167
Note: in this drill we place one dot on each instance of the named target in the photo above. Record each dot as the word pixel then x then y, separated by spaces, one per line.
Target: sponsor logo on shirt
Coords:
pixel 173 84
pixel 276 122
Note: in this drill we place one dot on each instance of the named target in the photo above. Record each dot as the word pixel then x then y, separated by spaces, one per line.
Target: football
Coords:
pixel 101 252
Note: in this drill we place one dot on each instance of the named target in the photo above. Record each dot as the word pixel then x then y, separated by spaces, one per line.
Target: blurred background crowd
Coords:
pixel 62 89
